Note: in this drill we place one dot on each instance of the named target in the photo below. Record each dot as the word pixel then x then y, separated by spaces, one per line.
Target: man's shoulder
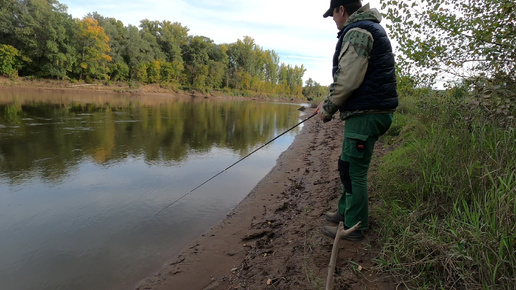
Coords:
pixel 361 39
pixel 364 14
pixel 363 28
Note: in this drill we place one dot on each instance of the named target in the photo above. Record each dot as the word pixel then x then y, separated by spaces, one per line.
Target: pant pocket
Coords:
pixel 355 145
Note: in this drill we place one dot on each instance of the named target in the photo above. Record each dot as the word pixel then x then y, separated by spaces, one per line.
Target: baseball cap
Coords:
pixel 334 4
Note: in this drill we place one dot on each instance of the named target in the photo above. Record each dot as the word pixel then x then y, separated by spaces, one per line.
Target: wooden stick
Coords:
pixel 334 251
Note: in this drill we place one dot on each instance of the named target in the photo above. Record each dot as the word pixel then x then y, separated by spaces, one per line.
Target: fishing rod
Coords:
pixel 184 195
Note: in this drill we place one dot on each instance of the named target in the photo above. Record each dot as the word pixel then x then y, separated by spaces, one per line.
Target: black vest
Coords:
pixel 378 91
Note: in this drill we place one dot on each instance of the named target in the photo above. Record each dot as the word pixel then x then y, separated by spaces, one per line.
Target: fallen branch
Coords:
pixel 341 233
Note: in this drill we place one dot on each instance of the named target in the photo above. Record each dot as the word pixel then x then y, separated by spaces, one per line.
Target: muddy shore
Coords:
pixel 273 239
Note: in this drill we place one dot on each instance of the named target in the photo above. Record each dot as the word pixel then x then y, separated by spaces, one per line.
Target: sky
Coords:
pixel 295 30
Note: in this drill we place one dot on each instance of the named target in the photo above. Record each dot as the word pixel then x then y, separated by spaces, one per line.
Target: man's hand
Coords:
pixel 320 114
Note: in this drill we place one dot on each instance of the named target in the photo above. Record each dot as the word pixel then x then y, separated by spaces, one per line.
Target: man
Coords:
pixel 364 91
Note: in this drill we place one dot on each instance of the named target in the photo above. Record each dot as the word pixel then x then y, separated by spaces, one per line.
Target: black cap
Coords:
pixel 334 4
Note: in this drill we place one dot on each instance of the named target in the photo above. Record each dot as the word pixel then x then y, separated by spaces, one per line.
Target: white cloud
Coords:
pixel 296 30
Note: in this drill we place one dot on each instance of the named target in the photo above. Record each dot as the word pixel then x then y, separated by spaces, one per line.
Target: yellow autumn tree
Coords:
pixel 93 47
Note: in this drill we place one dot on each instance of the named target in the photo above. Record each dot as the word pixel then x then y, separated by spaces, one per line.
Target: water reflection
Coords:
pixel 82 176
pixel 49 139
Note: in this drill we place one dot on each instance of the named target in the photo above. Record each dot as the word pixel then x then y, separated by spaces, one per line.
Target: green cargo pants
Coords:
pixel 360 135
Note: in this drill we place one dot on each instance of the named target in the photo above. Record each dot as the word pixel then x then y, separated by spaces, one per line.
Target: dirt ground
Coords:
pixel 273 238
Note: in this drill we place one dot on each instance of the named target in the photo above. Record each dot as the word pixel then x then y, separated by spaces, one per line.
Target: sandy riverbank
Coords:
pixel 272 239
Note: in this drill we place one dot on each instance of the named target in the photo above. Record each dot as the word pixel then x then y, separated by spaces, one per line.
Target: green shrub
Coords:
pixel 10 60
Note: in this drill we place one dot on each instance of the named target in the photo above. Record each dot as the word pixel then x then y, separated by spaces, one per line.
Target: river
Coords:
pixel 82 177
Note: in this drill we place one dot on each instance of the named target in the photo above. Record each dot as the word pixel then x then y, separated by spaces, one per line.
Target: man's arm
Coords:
pixel 353 62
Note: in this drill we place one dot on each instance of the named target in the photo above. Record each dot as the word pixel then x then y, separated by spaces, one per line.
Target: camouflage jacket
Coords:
pixel 352 66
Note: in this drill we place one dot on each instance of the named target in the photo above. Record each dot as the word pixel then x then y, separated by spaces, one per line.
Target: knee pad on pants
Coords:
pixel 344 176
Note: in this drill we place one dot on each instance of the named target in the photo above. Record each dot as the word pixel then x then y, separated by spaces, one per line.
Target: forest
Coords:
pixel 39 39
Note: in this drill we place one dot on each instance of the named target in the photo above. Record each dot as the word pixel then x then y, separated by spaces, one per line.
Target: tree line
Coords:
pixel 38 38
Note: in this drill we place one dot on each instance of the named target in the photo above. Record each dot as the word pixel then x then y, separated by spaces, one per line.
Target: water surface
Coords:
pixel 82 176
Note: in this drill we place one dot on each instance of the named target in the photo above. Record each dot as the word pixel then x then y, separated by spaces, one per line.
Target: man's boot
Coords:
pixel 334 217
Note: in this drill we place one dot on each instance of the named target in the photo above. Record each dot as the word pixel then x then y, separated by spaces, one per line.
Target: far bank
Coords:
pixel 126 89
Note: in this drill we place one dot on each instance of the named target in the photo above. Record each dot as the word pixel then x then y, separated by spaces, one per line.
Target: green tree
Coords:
pixel 154 72
pixel 41 31
pixel 313 90
pixel 7 9
pixel 291 80
pixel 59 54
pixel 140 73
pixel 150 31
pixel 244 54
pixel 171 37
pixel 10 60
pixel 135 51
pixel 218 65
pixel 204 63
pixel 171 72
pixel 243 63
pixel 462 38
pixel 271 66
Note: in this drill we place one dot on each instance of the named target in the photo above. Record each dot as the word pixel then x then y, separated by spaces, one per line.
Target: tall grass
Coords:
pixel 448 193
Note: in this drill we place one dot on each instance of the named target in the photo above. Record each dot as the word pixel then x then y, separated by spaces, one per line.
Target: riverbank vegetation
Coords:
pixel 448 187
pixel 39 39
pixel 448 191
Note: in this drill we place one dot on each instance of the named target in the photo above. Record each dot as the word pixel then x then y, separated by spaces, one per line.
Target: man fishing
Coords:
pixel 364 91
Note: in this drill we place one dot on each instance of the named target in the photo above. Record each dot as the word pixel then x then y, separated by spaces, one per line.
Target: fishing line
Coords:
pixel 184 195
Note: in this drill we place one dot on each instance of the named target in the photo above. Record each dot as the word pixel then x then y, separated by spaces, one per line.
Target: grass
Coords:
pixel 448 194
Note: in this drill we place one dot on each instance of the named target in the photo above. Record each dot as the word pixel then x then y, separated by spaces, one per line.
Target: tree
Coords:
pixel 243 54
pixel 117 33
pixel 10 60
pixel 291 79
pixel 150 33
pixel 57 28
pixel 244 63
pixel 93 46
pixel 139 73
pixel 154 72
pixel 196 59
pixel 462 38
pixel 8 8
pixel 171 72
pixel 171 37
pixel 134 52
pixel 218 65
pixel 313 90
pixel 41 31
pixel 271 66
